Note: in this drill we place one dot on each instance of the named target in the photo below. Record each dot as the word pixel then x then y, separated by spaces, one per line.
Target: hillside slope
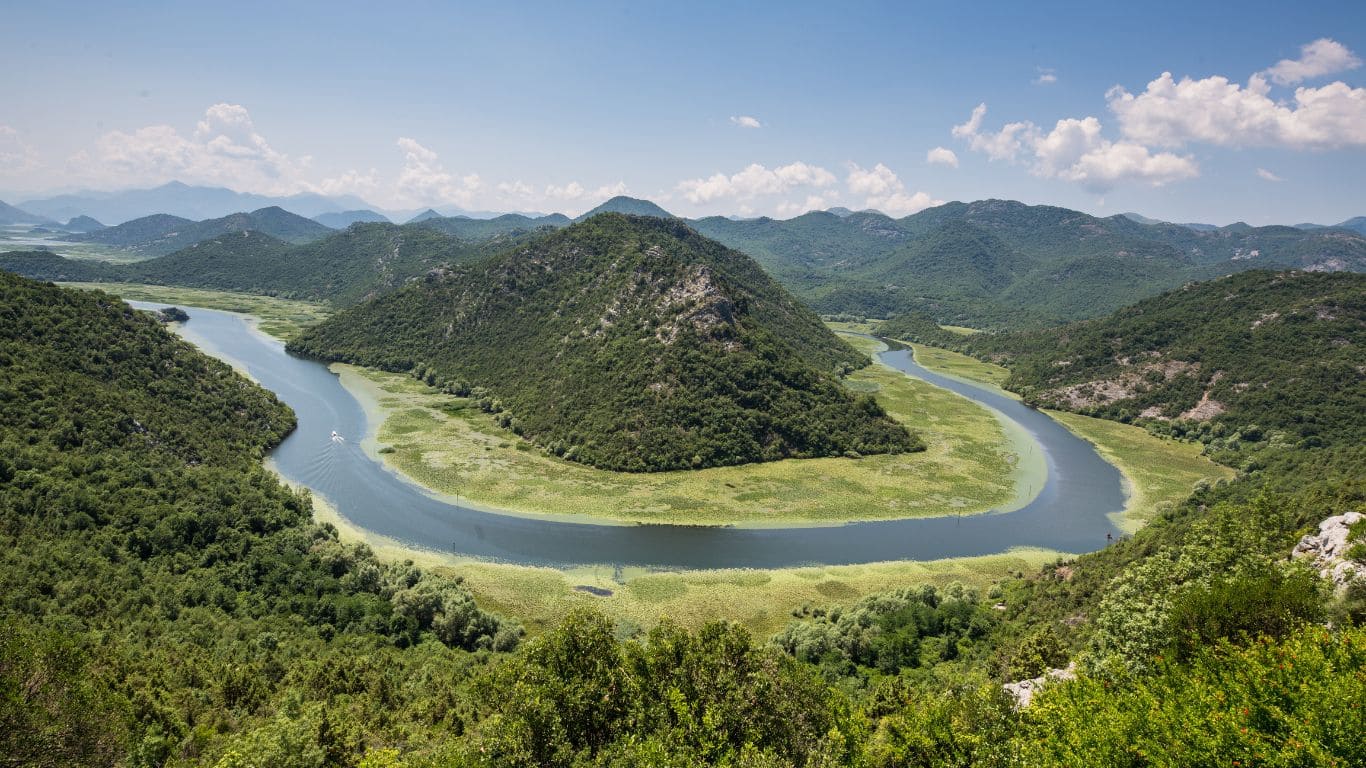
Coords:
pixel 160 234
pixel 347 267
pixel 1242 358
pixel 1043 264
pixel 628 343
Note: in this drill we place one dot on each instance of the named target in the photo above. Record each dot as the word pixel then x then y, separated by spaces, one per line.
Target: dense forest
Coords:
pixel 628 343
pixel 166 602
pixel 1254 361
pixel 344 268
pixel 1004 264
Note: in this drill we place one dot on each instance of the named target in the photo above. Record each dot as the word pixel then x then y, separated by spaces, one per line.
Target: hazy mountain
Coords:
pixel 83 224
pixel 467 228
pixel 161 234
pixel 345 219
pixel 12 215
pixel 424 216
pixel 625 342
pixel 631 205
pixel 840 211
pixel 1356 224
pixel 182 200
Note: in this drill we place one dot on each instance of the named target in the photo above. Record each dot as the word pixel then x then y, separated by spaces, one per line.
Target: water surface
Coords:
pixel 1070 513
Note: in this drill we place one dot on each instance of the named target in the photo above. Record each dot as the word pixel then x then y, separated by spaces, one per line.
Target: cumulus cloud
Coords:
pixel 424 179
pixel 789 209
pixel 225 148
pixel 880 188
pixel 1074 150
pixel 1215 110
pixel 1046 76
pixel 576 191
pixel 745 121
pixel 1268 175
pixel 755 180
pixel 942 156
pixel 16 155
pixel 1319 58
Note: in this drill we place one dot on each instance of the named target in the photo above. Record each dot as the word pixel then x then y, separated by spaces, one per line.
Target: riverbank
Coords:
pixel 976 461
pixel 638 598
pixel 1159 473
pixel 281 318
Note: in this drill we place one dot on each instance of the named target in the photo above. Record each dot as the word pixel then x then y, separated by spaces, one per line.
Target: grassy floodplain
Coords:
pixel 281 318
pixel 973 463
pixel 761 600
pixel 1159 473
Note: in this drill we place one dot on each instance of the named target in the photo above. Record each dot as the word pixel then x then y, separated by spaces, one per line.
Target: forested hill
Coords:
pixel 1004 264
pixel 154 576
pixel 345 268
pixel 1255 357
pixel 159 234
pixel 629 343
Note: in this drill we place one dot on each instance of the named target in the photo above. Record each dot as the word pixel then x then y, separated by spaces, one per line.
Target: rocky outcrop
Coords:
pixel 1023 691
pixel 1328 549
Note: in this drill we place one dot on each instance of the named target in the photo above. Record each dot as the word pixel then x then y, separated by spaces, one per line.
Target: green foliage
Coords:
pixel 576 696
pixel 159 588
pixel 1279 353
pixel 1240 608
pixel 628 344
pixel 1301 701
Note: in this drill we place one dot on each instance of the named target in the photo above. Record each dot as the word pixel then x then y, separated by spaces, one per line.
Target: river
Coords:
pixel 1069 514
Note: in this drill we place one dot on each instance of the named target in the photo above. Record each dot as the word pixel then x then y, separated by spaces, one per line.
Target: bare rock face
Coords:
pixel 1328 549
pixel 1024 690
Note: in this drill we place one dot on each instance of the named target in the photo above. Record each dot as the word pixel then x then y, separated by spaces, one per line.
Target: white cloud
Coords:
pixel 753 181
pixel 1268 175
pixel 882 189
pixel 1047 76
pixel 424 179
pixel 1075 150
pixel 576 191
pixel 942 156
pixel 224 148
pixel 16 156
pixel 1319 58
pixel 789 209
pixel 745 121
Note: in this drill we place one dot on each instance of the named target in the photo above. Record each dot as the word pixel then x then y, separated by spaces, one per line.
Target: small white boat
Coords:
pixel 336 438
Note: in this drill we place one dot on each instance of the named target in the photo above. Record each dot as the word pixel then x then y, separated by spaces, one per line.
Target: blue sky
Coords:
pixel 555 106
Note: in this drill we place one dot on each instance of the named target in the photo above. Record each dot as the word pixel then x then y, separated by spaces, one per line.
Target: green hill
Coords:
pixel 466 228
pixel 344 219
pixel 160 234
pixel 629 343
pixel 1255 358
pixel 83 224
pixel 629 205
pixel 347 267
pixel 1000 263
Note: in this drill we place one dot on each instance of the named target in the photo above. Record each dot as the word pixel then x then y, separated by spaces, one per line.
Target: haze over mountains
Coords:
pixel 986 264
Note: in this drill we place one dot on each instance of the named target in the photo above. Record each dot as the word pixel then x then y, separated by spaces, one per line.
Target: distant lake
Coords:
pixel 1069 514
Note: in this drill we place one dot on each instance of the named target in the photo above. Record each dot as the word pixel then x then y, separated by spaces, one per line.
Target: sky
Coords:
pixel 1189 111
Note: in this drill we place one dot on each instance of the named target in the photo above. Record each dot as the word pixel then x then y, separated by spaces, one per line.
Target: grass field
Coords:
pixel 761 600
pixel 444 443
pixel 1159 472
pixel 281 318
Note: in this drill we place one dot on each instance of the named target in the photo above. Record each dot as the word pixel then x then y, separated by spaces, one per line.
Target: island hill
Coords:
pixel 627 343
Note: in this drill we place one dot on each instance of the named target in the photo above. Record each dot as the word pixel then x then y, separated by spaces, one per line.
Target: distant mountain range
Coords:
pixel 345 219
pixel 161 234
pixel 12 215
pixel 183 200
